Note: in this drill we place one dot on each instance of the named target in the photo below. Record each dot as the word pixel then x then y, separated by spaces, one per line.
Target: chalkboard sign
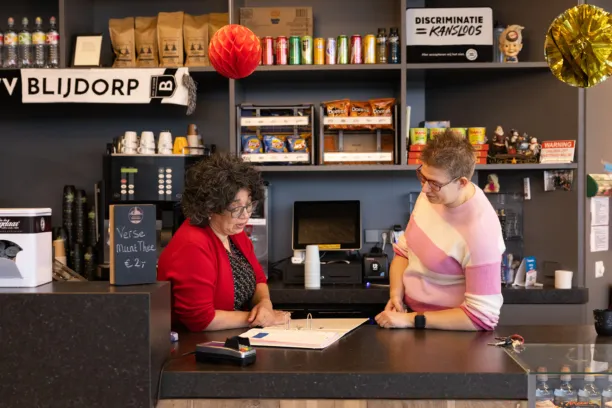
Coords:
pixel 133 244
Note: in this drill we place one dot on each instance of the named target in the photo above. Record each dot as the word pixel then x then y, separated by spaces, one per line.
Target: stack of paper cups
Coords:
pixel 312 268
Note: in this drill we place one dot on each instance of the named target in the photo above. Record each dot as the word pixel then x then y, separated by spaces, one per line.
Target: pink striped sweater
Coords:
pixel 454 259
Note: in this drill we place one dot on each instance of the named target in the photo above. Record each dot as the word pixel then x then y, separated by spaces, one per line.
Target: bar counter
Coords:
pixel 370 364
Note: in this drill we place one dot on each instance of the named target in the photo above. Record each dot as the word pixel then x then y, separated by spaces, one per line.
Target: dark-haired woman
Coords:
pixel 217 282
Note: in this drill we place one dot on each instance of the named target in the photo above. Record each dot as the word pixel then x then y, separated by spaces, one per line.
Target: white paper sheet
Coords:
pixel 600 211
pixel 600 238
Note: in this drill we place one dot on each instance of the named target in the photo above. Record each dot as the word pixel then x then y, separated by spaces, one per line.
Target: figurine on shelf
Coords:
pixel 513 142
pixel 534 147
pixel 498 144
pixel 523 144
pixel 492 184
pixel 511 42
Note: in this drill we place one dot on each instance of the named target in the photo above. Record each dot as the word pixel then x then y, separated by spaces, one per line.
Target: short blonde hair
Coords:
pixel 452 152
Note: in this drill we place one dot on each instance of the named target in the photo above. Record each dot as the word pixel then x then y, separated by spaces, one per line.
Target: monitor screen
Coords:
pixel 333 225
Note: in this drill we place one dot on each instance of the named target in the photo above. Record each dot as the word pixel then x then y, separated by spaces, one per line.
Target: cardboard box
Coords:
pixel 277 21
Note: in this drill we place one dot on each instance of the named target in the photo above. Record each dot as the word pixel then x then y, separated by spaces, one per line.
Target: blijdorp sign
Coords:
pixel 449 34
pixel 122 86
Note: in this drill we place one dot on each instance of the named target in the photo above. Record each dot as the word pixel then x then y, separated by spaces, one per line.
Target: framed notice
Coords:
pixel 87 50
pixel 449 34
pixel 133 244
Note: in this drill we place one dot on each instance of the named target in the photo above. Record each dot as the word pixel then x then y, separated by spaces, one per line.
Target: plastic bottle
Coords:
pixel 497 32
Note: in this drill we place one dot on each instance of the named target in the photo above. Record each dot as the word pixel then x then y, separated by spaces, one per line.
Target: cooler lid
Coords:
pixel 24 212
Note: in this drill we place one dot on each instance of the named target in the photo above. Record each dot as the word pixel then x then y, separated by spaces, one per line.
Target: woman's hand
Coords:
pixel 395 304
pixel 281 317
pixel 262 314
pixel 394 320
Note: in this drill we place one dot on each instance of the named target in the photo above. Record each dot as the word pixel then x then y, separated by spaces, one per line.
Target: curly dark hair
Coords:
pixel 211 186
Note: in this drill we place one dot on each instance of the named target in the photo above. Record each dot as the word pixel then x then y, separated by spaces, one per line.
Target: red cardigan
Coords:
pixel 197 265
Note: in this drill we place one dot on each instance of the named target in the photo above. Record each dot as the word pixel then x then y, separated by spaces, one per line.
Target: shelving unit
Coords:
pixel 63 143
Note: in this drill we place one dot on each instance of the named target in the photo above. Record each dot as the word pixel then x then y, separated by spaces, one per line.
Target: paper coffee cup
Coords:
pixel 563 279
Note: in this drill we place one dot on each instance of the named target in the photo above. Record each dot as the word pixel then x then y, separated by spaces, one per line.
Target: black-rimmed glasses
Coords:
pixel 434 185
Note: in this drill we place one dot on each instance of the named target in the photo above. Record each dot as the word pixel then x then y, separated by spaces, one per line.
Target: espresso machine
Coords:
pixel 141 179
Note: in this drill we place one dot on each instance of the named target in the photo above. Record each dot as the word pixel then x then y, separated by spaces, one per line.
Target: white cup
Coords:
pixel 165 143
pixel 563 279
pixel 129 150
pixel 147 139
pixel 312 268
pixel 142 149
pixel 130 138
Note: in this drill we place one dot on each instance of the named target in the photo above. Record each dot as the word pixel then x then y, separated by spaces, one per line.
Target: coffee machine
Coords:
pixel 141 179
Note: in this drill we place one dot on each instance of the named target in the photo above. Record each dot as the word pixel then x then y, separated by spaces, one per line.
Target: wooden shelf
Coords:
pixel 397 167
pixel 336 67
pixel 477 65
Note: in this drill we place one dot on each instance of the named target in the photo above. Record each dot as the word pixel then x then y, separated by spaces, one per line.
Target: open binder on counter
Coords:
pixel 303 333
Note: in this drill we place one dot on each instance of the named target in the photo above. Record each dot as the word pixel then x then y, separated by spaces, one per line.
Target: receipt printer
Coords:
pixel 375 267
pixel 235 350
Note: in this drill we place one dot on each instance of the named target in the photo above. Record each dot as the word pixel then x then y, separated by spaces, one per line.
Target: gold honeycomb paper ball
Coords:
pixel 578 46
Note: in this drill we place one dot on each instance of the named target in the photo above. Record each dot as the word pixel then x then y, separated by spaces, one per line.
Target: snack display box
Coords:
pixel 276 135
pixel 358 132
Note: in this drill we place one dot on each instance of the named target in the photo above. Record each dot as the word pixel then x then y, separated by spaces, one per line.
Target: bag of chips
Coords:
pixel 274 144
pixel 251 144
pixel 360 109
pixel 383 107
pixel 337 109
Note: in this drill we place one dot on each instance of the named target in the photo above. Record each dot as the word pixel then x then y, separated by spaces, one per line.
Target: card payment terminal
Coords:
pixel 235 350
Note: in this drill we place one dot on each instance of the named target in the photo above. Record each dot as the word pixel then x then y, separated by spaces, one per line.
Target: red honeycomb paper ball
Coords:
pixel 234 51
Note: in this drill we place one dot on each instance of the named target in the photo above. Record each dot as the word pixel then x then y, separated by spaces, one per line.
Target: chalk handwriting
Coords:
pixel 134 263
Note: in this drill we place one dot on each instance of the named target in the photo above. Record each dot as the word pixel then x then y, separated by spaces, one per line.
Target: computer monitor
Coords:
pixel 332 225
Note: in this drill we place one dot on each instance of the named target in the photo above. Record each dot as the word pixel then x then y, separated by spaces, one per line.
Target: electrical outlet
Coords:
pixel 373 236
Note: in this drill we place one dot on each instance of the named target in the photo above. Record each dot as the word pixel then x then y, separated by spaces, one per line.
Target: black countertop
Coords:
pixel 360 294
pixel 369 363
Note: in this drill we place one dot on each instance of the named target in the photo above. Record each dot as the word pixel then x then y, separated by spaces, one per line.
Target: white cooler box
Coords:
pixel 26 248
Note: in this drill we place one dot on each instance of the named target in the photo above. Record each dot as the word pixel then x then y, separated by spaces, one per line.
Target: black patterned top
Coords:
pixel 244 277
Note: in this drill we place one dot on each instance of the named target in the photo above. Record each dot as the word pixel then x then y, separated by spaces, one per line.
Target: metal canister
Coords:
pixel 295 50
pixel 343 49
pixel 330 51
pixel 369 49
pixel 356 49
pixel 418 136
pixel 267 51
pixel 319 51
pixel 477 135
pixel 307 50
pixel 282 50
pixel 459 131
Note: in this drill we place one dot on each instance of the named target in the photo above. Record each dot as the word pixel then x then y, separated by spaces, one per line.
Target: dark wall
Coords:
pixel 48 146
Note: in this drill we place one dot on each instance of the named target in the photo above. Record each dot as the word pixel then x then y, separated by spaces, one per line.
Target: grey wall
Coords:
pixel 48 146
pixel 598 147
pixel 384 200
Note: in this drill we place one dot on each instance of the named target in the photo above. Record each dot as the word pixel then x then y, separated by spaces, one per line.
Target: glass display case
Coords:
pixel 567 375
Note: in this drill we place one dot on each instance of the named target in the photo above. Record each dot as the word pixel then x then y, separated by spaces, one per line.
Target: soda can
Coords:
pixel 343 49
pixel 307 50
pixel 330 51
pixel 319 51
pixel 267 51
pixel 295 50
pixel 356 50
pixel 369 49
pixel 282 50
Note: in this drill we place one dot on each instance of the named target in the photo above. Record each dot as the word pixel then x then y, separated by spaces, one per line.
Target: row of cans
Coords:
pixel 305 50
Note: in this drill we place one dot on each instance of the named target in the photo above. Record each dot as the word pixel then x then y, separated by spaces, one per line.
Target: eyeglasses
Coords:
pixel 238 212
pixel 434 185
